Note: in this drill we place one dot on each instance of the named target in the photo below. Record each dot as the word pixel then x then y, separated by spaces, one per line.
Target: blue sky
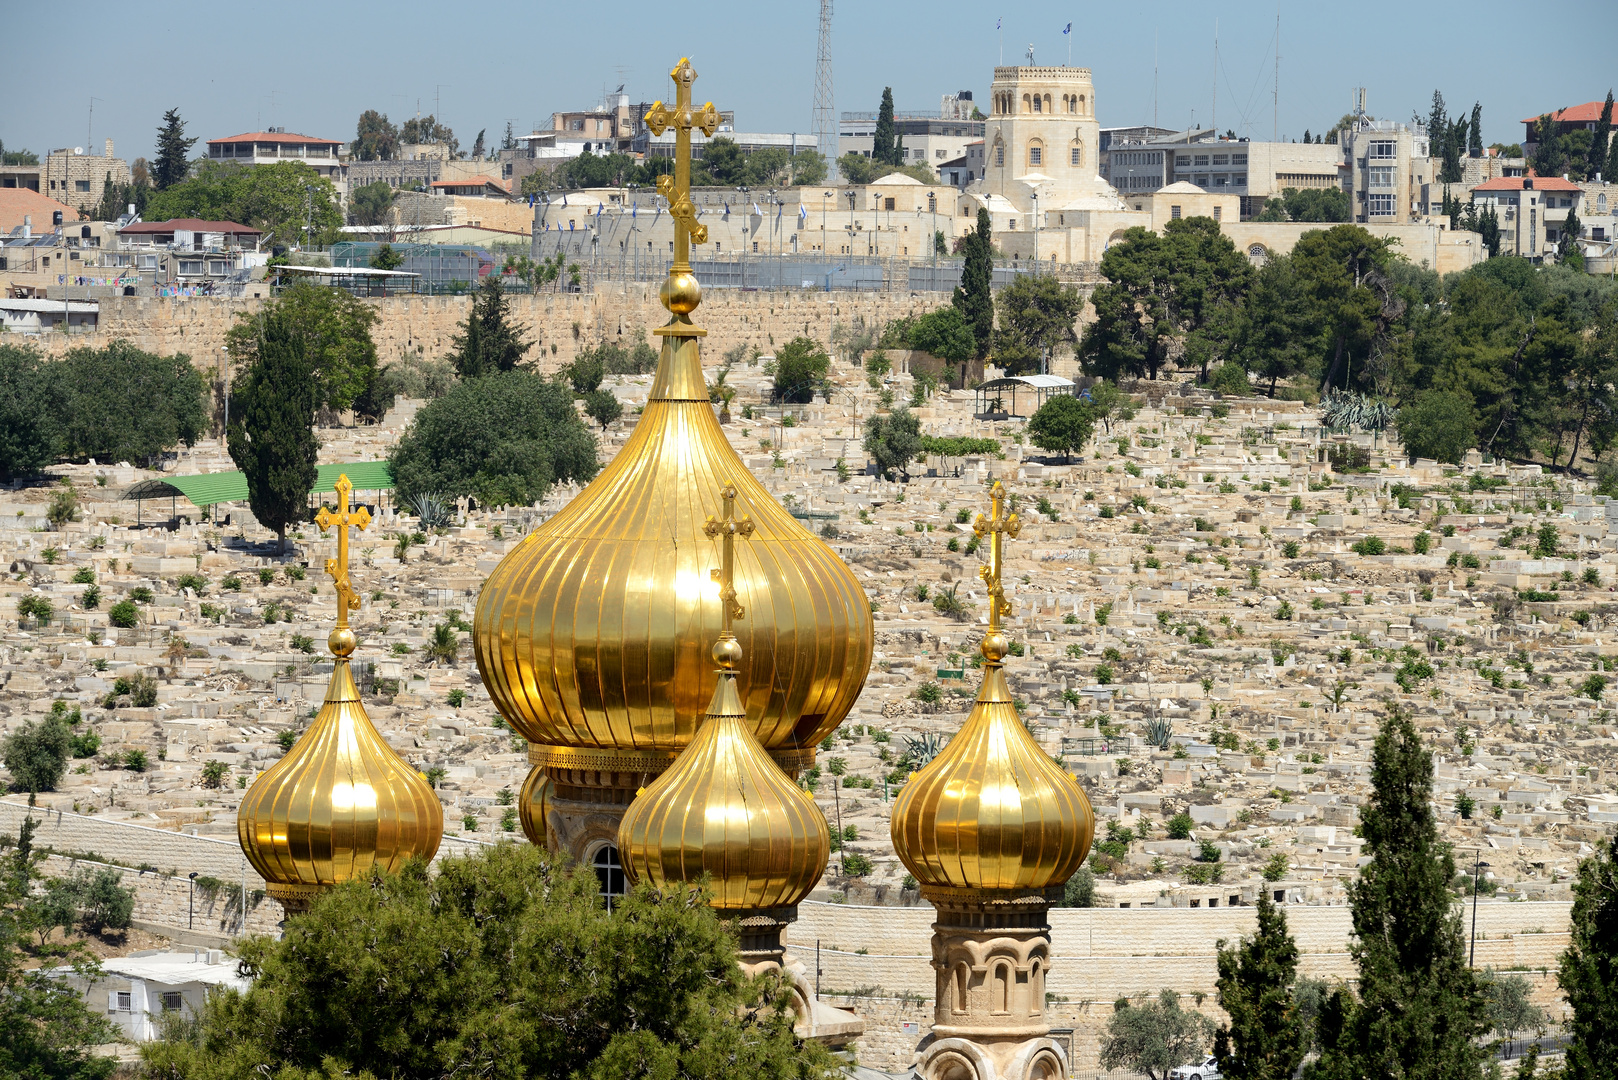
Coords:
pixel 313 67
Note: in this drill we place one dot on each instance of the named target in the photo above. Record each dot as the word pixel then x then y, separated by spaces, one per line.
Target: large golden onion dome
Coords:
pixel 589 635
pixel 726 810
pixel 992 810
pixel 342 800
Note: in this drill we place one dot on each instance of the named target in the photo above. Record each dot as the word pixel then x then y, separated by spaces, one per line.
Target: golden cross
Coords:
pixel 727 529
pixel 997 525
pixel 677 188
pixel 347 598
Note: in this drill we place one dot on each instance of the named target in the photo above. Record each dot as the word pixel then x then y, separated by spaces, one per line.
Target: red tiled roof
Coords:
pixel 1589 112
pixel 1516 183
pixel 275 137
pixel 188 225
pixel 16 203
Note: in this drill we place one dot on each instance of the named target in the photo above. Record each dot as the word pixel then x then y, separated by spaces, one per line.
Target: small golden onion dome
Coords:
pixel 992 810
pixel 589 634
pixel 533 803
pixel 726 810
pixel 340 802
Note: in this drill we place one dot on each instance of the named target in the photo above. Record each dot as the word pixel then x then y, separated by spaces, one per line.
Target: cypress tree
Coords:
pixel 173 152
pixel 1474 148
pixel 1588 971
pixel 1421 1011
pixel 1600 144
pixel 1264 1039
pixel 973 297
pixel 271 436
pixel 882 144
pixel 491 341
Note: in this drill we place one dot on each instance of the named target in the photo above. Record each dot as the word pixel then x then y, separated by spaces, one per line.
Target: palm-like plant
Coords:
pixel 445 644
pixel 922 748
pixel 431 508
pixel 1159 729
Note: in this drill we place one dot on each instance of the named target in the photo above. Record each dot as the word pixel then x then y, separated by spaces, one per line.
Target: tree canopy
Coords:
pixel 1264 1039
pixel 503 438
pixel 974 297
pixel 894 442
pixel 491 339
pixel 1588 970
pixel 173 160
pixel 943 333
pixel 369 204
pixel 504 964
pixel 116 403
pixel 1420 1010
pixel 1153 1036
pixel 800 370
pixel 375 139
pixel 289 201
pixel 1037 315
pixel 1062 425
pixel 333 328
pixel 272 413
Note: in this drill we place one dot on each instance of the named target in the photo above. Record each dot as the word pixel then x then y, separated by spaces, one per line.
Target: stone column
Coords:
pixel 991 950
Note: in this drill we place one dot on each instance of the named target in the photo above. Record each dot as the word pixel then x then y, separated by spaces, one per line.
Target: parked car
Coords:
pixel 1206 1069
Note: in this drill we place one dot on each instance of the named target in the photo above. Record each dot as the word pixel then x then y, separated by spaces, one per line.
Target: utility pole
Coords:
pixel 1275 94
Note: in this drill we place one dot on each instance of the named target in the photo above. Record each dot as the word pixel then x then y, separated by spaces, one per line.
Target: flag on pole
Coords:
pixel 756 210
pixel 803 211
pixel 997 24
pixel 634 209
pixel 1068 29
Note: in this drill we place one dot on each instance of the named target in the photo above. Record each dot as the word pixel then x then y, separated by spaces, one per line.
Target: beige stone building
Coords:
pixel 1387 167
pixel 70 176
pixel 1531 211
pixel 276 145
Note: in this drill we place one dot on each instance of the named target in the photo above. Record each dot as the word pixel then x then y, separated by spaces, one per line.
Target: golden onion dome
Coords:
pixel 533 803
pixel 589 634
pixel 992 810
pixel 342 800
pixel 726 810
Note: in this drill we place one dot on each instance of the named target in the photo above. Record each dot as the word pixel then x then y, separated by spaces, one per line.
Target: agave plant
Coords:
pixel 1344 409
pixel 1158 731
pixel 920 749
pixel 432 508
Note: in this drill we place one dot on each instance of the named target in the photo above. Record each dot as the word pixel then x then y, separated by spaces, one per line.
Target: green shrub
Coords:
pixel 195 582
pixel 1370 545
pixel 123 614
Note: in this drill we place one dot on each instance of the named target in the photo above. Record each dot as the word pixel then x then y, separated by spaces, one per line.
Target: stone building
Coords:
pixel 1387 165
pixel 276 145
pixel 79 179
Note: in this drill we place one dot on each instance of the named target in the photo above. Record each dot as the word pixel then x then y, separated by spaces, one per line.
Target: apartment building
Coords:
pixel 69 176
pixel 1387 168
pixel 927 138
pixel 277 144
pixel 1531 210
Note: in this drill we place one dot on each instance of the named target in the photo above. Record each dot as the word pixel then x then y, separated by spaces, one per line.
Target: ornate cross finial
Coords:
pixel 347 598
pixel 677 188
pixel 727 529
pixel 997 525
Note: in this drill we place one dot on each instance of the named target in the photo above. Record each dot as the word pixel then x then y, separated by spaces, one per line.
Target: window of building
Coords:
pixel 1038 103
pixel 1218 210
pixel 1182 159
pixel 1012 225
pixel 1383 149
pixel 1174 212
pixel 190 266
pixel 609 873
pixel 1601 204
pixel 887 204
pixel 1221 159
pixel 1380 205
pixel 1241 180
pixel 1221 180
pixel 1202 159
pixel 1381 176
pixel 1075 156
pixel 118 1001
pixel 1201 181
pixel 1035 152
pixel 172 1001
pixel 999 155
pixel 1238 159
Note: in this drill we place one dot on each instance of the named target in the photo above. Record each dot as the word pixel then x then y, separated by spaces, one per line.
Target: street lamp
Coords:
pixel 191 909
pixel 1477 869
pixel 824 196
pixel 851 223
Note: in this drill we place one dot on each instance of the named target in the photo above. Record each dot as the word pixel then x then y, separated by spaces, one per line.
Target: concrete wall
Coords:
pixel 1101 954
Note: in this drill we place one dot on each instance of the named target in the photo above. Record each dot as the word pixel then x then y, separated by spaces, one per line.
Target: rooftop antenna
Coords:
pixel 1275 103
pixel 823 122
pixel 1154 76
pixel 89 123
pixel 1215 120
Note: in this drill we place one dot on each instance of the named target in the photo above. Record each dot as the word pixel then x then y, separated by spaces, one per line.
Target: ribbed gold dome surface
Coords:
pixel 532 804
pixel 725 809
pixel 992 810
pixel 341 801
pixel 591 632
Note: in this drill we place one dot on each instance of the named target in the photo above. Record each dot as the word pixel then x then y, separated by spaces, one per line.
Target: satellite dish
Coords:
pixel 78 149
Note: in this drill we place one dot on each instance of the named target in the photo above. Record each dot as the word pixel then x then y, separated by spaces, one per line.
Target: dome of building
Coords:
pixel 726 810
pixel 992 810
pixel 589 635
pixel 341 801
pixel 532 803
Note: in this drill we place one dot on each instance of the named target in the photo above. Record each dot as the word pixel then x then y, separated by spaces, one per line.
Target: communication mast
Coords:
pixel 824 125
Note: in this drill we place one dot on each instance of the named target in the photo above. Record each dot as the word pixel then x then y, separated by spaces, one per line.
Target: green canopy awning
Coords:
pixel 205 489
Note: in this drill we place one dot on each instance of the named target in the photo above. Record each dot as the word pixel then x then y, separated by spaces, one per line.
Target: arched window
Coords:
pixel 1026 107
pixel 1081 103
pixel 1601 204
pixel 1075 155
pixel 963 976
pixel 999 154
pixel 1036 154
pixel 1000 989
pixel 1038 103
pixel 609 873
pixel 1048 104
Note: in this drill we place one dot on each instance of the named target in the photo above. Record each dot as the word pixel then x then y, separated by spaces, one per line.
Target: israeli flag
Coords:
pixel 803 211
pixel 1068 29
